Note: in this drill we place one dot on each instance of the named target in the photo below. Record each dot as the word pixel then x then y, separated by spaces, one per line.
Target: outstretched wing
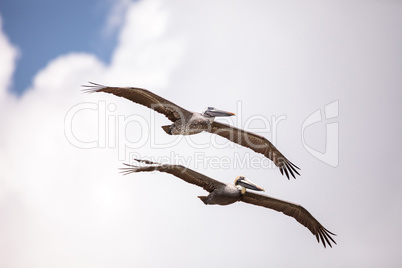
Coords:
pixel 144 97
pixel 293 210
pixel 256 143
pixel 179 171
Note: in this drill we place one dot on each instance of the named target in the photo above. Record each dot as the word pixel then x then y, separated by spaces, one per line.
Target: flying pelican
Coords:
pixel 225 194
pixel 188 123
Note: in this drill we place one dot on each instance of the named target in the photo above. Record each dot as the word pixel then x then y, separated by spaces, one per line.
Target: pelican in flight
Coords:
pixel 225 194
pixel 188 123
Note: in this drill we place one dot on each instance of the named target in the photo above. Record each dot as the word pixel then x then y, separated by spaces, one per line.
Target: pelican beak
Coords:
pixel 249 184
pixel 215 112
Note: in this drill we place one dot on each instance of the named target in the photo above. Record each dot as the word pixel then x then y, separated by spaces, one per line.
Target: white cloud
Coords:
pixel 9 56
pixel 145 54
pixel 54 207
pixel 116 16
pixel 66 205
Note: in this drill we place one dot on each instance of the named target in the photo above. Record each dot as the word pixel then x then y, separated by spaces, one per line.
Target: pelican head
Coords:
pixel 212 112
pixel 242 183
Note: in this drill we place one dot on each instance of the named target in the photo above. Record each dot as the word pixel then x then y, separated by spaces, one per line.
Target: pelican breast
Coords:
pixel 224 195
pixel 193 125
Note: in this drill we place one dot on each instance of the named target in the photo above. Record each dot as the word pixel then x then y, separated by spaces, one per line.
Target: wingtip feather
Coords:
pixel 93 87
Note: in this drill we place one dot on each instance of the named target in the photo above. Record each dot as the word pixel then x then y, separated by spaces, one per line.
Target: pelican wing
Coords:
pixel 256 143
pixel 179 171
pixel 144 97
pixel 293 210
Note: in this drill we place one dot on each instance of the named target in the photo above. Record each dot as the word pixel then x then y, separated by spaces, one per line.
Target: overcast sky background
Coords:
pixel 63 202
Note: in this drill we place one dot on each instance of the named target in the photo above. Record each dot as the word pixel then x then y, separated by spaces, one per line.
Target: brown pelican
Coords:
pixel 225 194
pixel 188 123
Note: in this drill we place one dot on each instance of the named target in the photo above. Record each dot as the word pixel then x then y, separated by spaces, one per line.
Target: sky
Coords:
pixel 321 80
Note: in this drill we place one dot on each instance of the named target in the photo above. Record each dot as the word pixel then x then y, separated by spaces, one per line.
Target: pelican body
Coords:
pixel 226 194
pixel 195 123
pixel 223 196
pixel 189 123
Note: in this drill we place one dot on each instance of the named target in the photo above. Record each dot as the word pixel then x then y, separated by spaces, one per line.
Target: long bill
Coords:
pixel 215 112
pixel 249 184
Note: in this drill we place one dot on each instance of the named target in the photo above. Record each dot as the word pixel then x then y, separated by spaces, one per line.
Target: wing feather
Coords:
pixel 257 143
pixel 293 210
pixel 179 171
pixel 144 97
